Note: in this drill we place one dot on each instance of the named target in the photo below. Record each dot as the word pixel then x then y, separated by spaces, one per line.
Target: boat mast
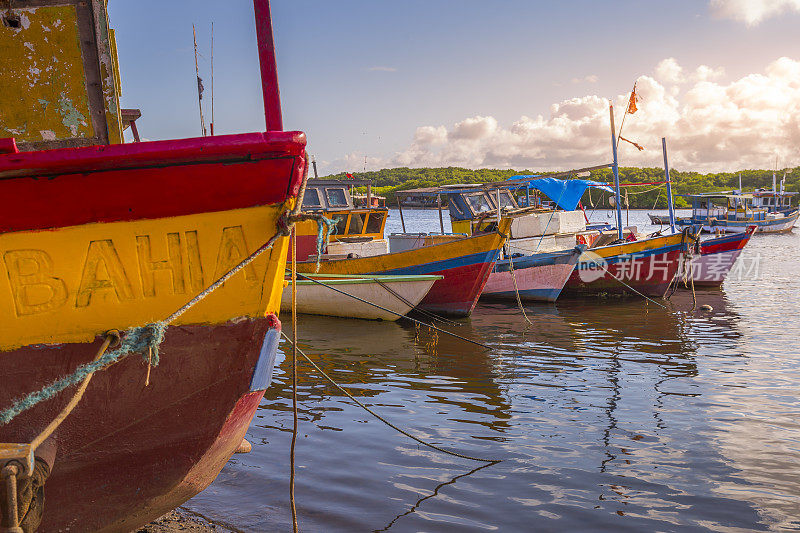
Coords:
pixel 669 185
pixel 269 69
pixel 615 168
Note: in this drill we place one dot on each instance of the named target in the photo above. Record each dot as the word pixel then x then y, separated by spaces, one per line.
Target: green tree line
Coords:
pixel 388 181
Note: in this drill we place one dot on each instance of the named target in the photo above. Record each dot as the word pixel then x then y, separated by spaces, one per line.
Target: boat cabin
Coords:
pixel 756 206
pixel 357 229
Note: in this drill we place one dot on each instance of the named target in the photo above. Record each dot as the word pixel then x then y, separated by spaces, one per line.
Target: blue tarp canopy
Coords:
pixel 565 193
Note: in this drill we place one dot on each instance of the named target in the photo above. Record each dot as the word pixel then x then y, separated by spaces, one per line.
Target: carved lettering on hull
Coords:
pixel 168 264
pixel 33 286
pixel 172 265
pixel 103 272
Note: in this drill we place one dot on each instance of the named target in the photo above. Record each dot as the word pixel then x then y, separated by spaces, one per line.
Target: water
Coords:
pixel 607 415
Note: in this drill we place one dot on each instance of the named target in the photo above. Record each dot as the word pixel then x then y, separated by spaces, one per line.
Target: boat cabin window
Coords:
pixel 336 197
pixel 339 223
pixel 505 200
pixel 479 203
pixel 357 223
pixel 375 222
pixel 312 199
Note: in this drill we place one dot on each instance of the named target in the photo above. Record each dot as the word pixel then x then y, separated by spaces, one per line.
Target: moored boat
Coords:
pixel 463 263
pixel 317 294
pixel 645 266
pixel 539 277
pixel 717 256
pixel 100 236
pixel 736 211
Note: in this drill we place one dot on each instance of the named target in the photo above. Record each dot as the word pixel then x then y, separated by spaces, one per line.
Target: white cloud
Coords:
pixel 381 69
pixel 591 78
pixel 710 126
pixel 752 12
pixel 669 71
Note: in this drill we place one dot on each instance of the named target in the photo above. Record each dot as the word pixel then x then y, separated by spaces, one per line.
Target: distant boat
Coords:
pixel 400 294
pixel 735 212
pixel 717 257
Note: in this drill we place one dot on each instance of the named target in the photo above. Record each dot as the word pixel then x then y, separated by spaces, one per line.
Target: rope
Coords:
pixel 626 285
pixel 294 382
pixel 147 339
pixel 379 417
pixel 137 340
pixel 516 290
pixel 331 287
pixel 432 316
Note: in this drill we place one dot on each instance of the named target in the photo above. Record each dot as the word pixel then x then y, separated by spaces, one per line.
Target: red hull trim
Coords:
pixel 130 453
pixel 70 187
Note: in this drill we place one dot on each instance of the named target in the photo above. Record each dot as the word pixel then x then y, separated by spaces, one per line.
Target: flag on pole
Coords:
pixel 349 175
pixel 632 101
pixel 640 147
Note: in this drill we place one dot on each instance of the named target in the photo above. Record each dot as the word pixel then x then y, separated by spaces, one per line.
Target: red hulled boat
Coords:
pixel 98 236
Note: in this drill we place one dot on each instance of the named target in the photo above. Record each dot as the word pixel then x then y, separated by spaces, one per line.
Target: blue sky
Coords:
pixel 361 77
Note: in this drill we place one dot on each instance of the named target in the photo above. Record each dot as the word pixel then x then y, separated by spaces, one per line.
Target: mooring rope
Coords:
pixel 331 287
pixel 147 339
pixel 625 284
pixel 516 289
pixel 294 382
pixel 432 316
pixel 379 417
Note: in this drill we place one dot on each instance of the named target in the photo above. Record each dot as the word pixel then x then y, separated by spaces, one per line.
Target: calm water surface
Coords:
pixel 607 415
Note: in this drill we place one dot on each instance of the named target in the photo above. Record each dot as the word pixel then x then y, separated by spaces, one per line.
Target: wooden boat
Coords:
pixel 717 256
pixel 464 265
pixel 356 229
pixel 539 277
pixel 735 211
pixel 100 236
pixel 646 266
pixel 400 294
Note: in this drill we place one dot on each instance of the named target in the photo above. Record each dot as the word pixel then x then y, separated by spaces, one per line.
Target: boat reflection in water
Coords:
pixel 601 413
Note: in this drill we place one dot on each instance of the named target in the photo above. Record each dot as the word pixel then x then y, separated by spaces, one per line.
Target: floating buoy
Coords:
pixel 706 307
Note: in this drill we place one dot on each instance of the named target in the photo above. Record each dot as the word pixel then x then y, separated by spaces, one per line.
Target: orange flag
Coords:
pixel 640 147
pixel 632 102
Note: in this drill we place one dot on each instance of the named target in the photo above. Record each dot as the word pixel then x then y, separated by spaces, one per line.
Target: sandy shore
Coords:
pixel 184 521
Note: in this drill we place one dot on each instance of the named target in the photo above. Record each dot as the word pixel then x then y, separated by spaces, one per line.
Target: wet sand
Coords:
pixel 185 521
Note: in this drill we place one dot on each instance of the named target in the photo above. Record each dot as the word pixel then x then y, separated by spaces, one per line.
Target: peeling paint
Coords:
pixel 44 84
pixel 71 117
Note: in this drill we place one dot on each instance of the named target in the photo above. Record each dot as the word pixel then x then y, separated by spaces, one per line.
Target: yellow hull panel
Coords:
pixel 74 283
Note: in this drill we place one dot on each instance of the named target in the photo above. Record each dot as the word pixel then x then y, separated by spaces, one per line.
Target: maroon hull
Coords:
pixel 158 445
pixel 651 276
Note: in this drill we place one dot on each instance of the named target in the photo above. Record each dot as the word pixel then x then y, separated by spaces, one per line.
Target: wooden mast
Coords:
pixel 269 70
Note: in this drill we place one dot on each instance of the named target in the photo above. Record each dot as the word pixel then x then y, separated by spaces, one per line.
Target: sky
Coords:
pixel 520 84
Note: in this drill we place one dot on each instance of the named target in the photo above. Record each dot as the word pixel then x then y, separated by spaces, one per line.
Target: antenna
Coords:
pixel 365 163
pixel 199 83
pixel 212 79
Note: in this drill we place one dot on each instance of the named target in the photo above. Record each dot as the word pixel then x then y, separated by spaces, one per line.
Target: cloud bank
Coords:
pixel 751 12
pixel 709 125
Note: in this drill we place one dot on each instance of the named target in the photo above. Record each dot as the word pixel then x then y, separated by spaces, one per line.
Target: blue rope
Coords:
pixel 325 225
pixel 137 340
